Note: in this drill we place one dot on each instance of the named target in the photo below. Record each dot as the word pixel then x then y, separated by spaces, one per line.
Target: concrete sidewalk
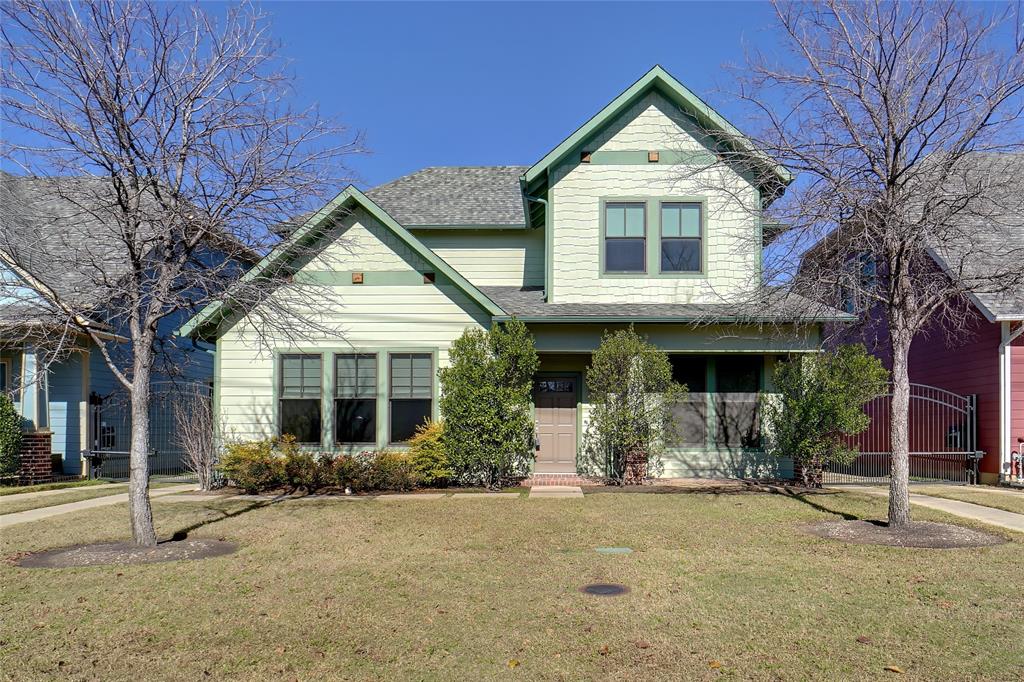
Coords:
pixel 46 512
pixel 967 510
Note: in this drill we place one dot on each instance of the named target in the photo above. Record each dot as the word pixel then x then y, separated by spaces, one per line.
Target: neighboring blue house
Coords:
pixel 76 405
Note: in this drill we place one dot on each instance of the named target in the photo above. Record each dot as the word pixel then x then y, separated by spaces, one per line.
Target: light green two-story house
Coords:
pixel 649 214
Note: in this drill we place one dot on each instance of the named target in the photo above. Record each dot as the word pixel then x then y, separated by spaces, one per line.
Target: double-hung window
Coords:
pixel 411 393
pixel 4 380
pixel 301 381
pixel 625 237
pixel 355 398
pixel 681 237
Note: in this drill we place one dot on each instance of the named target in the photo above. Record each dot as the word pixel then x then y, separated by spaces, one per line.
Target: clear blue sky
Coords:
pixel 435 84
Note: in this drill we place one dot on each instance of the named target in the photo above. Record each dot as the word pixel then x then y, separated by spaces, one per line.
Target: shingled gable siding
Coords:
pixel 363 318
pixel 733 239
pixel 491 257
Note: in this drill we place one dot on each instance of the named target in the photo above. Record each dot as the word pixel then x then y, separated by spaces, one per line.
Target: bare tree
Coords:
pixel 172 135
pixel 194 432
pixel 901 120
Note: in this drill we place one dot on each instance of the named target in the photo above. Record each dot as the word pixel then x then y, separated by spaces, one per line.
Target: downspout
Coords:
pixel 547 237
pixel 1007 337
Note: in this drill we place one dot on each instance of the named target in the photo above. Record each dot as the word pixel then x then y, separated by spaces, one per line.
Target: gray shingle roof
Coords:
pixel 53 228
pixel 773 305
pixel 989 256
pixel 454 196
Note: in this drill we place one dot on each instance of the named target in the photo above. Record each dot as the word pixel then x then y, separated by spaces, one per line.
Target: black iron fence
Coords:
pixel 110 432
pixel 943 433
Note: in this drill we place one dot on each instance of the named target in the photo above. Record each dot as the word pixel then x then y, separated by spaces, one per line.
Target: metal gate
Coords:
pixel 110 427
pixel 943 428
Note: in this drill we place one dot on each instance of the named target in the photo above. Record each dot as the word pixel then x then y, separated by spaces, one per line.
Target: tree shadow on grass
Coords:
pixel 805 496
pixel 222 515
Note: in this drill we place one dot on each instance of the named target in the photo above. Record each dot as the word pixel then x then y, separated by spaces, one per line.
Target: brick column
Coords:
pixel 636 467
pixel 35 466
pixel 809 474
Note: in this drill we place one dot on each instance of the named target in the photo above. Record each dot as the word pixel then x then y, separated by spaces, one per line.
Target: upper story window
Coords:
pixel 625 237
pixel 301 381
pixel 681 237
pixel 859 279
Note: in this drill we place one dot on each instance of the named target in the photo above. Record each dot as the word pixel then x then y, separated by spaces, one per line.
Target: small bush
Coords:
pixel 347 472
pixel 307 471
pixel 10 437
pixel 427 455
pixel 259 465
pixel 383 470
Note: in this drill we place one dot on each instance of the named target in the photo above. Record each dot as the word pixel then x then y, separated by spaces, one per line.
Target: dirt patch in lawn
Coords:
pixel 924 534
pixel 125 553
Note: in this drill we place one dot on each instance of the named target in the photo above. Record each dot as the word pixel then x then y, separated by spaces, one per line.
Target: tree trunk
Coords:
pixel 139 509
pixel 899 431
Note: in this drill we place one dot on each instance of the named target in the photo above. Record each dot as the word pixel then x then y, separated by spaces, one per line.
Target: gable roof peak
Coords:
pixel 657 77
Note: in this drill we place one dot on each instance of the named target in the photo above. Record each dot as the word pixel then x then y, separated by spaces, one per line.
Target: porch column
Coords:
pixel 35 399
pixel 36 443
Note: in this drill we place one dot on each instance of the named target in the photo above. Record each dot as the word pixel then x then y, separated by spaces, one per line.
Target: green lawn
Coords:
pixel 76 494
pixel 1010 500
pixel 17 490
pixel 721 586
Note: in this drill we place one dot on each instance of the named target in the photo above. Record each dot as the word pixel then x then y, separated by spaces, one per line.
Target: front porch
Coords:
pixel 718 426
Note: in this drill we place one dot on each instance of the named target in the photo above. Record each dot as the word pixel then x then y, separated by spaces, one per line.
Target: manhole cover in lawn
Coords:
pixel 613 550
pixel 604 589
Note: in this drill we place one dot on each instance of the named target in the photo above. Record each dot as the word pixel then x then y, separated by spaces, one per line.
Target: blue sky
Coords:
pixel 435 84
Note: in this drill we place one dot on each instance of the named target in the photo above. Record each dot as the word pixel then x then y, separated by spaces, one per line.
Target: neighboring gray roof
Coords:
pixel 772 305
pixel 454 196
pixel 989 257
pixel 53 228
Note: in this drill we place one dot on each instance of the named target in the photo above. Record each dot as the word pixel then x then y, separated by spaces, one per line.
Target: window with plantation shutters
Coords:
pixel 355 398
pixel 300 394
pixel 410 393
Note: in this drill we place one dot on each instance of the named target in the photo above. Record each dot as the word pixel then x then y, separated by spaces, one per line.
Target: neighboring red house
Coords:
pixel 986 359
pixel 984 356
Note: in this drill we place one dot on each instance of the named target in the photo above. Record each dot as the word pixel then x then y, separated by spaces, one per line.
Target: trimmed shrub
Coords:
pixel 632 395
pixel 307 471
pixel 255 466
pixel 428 456
pixel 10 437
pixel 820 403
pixel 486 394
pixel 381 470
pixel 390 470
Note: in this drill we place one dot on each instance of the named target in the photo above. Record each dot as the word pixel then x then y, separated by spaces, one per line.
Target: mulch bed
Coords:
pixel 126 553
pixel 924 534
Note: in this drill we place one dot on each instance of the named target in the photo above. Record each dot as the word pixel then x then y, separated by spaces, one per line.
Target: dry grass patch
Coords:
pixel 719 586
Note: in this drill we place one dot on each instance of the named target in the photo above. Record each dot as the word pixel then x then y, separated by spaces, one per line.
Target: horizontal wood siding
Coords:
pixel 1017 392
pixel 966 363
pixel 491 257
pixel 366 318
pixel 732 223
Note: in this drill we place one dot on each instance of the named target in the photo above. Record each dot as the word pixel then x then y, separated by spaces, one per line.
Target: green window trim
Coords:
pixel 653 227
pixel 678 228
pixel 330 390
pixel 621 229
pixel 355 386
pixel 420 374
pixel 300 380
